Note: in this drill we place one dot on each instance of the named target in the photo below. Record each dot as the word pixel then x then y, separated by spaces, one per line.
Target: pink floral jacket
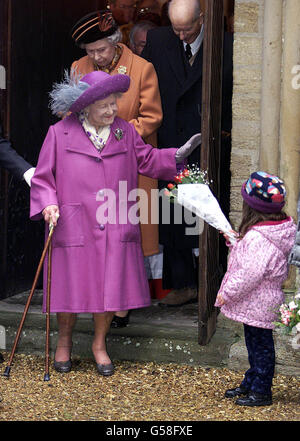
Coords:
pixel 257 267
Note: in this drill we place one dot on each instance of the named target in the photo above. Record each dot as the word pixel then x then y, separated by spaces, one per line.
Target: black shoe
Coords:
pixel 255 399
pixel 63 366
pixel 105 369
pixel 236 392
pixel 1 358
pixel 119 322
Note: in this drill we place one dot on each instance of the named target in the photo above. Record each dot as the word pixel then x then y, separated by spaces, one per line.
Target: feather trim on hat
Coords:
pixel 66 93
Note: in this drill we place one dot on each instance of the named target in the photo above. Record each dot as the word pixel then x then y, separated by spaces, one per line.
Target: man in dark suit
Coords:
pixel 176 52
pixel 16 165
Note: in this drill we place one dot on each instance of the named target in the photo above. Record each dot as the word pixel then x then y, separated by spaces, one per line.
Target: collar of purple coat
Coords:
pixel 84 146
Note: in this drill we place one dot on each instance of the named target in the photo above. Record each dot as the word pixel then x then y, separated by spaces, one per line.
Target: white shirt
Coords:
pixel 28 175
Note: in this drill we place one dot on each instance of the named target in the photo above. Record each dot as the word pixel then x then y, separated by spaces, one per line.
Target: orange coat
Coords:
pixel 141 106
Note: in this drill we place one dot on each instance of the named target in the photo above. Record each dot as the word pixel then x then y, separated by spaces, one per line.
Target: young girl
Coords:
pixel 251 289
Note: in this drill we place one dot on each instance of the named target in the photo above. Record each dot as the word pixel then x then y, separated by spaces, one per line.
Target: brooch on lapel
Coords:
pixel 118 134
pixel 122 70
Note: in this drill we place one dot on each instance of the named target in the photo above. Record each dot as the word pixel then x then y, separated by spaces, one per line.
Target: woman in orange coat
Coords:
pixel 100 36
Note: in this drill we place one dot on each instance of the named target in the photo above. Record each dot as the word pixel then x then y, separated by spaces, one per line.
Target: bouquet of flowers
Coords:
pixel 289 316
pixel 190 175
pixel 198 198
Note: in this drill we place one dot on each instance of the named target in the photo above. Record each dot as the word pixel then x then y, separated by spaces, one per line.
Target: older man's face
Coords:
pixel 139 41
pixel 187 30
pixel 123 11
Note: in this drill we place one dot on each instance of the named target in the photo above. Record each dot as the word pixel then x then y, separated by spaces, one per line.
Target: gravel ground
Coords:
pixel 137 392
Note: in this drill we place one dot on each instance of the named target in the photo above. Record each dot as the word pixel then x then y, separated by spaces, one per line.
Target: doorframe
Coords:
pixel 209 274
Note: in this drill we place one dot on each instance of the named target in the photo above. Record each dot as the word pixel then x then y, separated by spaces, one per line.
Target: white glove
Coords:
pixel 185 150
pixel 28 175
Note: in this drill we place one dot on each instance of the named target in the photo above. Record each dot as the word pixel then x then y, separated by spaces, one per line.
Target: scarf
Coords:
pixel 108 69
pixel 98 138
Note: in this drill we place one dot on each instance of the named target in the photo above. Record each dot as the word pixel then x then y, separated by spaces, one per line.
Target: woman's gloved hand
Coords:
pixel 185 150
pixel 51 214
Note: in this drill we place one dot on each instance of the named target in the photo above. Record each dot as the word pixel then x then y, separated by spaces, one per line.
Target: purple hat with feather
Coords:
pixel 101 85
pixel 76 93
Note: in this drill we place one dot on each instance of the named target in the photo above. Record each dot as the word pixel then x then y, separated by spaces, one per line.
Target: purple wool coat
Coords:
pixel 97 266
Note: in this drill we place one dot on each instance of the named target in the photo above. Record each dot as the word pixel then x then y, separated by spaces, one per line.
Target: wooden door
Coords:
pixel 35 48
pixel 209 271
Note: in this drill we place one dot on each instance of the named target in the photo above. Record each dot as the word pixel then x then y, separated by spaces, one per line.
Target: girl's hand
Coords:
pixel 220 300
pixel 234 233
pixel 51 214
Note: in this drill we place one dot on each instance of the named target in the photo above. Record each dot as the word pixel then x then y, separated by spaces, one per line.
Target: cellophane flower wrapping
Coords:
pixel 191 189
pixel 199 199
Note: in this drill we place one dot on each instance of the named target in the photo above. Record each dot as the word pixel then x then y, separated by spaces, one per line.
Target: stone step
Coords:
pixel 154 334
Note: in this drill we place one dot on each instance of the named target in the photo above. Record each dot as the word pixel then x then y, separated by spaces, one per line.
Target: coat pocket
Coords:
pixel 69 231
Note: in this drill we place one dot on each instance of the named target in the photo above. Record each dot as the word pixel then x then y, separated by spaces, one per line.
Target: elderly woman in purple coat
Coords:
pixel 87 169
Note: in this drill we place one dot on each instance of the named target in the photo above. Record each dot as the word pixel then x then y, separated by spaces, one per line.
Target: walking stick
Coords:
pixel 47 376
pixel 8 367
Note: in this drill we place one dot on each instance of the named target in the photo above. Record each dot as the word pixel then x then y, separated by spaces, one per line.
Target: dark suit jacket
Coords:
pixel 181 93
pixel 10 160
pixel 181 86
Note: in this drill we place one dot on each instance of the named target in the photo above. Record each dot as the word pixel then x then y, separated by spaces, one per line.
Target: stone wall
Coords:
pixel 266 96
pixel 266 99
pixel 246 104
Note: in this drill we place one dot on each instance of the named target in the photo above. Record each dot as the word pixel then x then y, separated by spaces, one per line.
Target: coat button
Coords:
pixel 102 227
pixel 97 159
